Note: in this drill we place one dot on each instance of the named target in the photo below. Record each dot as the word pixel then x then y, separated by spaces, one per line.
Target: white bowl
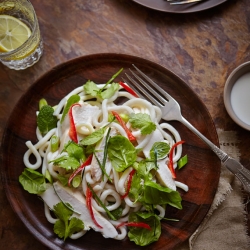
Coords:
pixel 237 95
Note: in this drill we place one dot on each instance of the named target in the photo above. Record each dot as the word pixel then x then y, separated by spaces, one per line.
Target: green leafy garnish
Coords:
pixel 46 120
pixel 94 137
pixel 75 150
pixel 142 122
pixel 42 103
pixel 121 152
pixel 107 91
pixel 161 149
pixel 156 194
pixel 142 236
pixel 32 181
pixel 66 225
pixel 72 100
pixel 182 161
pixel 67 162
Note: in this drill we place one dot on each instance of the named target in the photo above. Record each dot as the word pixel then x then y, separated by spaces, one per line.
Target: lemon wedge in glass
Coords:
pixel 13 33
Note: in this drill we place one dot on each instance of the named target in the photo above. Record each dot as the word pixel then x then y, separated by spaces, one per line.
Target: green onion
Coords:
pixel 182 162
pixel 54 143
pixel 100 202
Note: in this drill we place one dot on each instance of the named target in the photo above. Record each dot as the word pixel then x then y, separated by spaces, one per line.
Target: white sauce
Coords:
pixel 240 98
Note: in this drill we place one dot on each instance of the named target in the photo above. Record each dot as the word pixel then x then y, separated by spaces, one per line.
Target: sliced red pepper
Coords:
pixel 131 174
pixel 170 162
pixel 86 163
pixel 89 206
pixel 127 88
pixel 122 123
pixel 134 224
pixel 72 129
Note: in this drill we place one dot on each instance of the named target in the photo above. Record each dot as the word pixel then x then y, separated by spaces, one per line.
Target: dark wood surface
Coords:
pixel 201 48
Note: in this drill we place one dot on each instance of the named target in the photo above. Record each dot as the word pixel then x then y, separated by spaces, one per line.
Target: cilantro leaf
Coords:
pixel 121 152
pixel 65 226
pixel 75 150
pixel 110 91
pixel 142 122
pixel 32 181
pixel 67 162
pixel 73 99
pixel 91 88
pixel 94 137
pixel 46 120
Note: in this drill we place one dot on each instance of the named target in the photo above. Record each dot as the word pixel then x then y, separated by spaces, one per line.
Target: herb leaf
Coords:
pixel 32 181
pixel 142 236
pixel 46 120
pixel 67 162
pixel 64 226
pixel 73 99
pixel 161 149
pixel 91 88
pixel 142 122
pixel 121 152
pixel 94 137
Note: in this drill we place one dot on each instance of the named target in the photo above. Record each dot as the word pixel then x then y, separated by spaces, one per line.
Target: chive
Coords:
pixel 112 78
pixel 101 166
pixel 182 162
pixel 100 202
pixel 106 149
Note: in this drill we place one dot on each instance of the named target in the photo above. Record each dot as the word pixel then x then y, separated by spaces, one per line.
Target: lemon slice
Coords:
pixel 13 33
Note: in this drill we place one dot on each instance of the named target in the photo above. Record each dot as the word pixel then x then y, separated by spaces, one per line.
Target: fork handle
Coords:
pixel 232 165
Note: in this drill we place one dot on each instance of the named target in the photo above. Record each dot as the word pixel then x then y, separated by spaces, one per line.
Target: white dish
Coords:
pixel 237 95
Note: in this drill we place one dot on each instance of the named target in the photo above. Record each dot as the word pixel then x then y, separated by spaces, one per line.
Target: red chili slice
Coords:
pixel 122 123
pixel 127 88
pixel 130 177
pixel 86 163
pixel 170 162
pixel 89 206
pixel 72 129
pixel 134 224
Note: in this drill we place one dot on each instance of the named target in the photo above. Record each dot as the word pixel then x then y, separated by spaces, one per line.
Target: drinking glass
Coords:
pixel 31 50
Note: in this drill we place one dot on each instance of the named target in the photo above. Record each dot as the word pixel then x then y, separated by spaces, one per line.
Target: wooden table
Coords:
pixel 202 48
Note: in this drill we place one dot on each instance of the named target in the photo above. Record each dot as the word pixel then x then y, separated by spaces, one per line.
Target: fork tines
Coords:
pixel 145 87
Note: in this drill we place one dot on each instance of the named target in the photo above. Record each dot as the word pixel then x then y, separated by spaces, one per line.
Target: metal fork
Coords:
pixel 175 2
pixel 171 111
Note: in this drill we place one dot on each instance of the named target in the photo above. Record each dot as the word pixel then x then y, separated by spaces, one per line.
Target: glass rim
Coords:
pixel 34 29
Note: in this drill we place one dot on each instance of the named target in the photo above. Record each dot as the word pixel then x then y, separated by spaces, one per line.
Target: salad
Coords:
pixel 103 165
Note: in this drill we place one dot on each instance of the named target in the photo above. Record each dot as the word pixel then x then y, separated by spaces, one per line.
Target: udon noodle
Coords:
pixel 90 115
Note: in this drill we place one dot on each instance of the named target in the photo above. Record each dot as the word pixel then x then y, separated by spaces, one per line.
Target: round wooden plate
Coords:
pixel 201 174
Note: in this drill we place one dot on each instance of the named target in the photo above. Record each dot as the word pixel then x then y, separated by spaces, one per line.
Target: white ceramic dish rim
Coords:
pixel 233 77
